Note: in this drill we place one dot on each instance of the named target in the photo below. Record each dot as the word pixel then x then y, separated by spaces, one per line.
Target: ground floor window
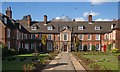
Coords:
pixel 49 46
pixel 73 47
pixel 113 46
pixel 33 45
pixel 56 46
pixel 8 45
pixel 97 46
pixel 89 46
pixel 22 45
pixel 80 46
pixel 27 46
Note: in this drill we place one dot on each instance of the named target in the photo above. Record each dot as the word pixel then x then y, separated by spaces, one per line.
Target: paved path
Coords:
pixel 64 62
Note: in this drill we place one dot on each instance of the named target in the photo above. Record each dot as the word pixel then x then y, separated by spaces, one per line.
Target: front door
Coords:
pixel 65 47
pixel 104 47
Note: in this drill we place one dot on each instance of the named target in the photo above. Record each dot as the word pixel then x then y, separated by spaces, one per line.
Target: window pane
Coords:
pixel 89 36
pixel 80 46
pixel 65 36
pixel 89 46
pixel 97 46
pixel 80 36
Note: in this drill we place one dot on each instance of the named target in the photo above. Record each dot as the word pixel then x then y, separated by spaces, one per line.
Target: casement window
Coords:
pixel 65 27
pixel 89 36
pixel 109 36
pixel 65 37
pixel 34 27
pixel 22 45
pixel 22 35
pixel 97 46
pixel 50 27
pixel 33 36
pixel 97 27
pixel 56 46
pixel 112 26
pixel 105 36
pixel 73 47
pixel 80 36
pixel 27 46
pixel 40 36
pixel 8 45
pixel 80 27
pixel 33 45
pixel 19 26
pixel 89 46
pixel 5 20
pixel 114 34
pixel 49 46
pixel 17 35
pixel 8 32
pixel 49 37
pixel 80 46
pixel 25 36
pixel 97 36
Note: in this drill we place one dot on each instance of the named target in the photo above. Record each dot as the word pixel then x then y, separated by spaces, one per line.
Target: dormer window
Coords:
pixel 19 26
pixel 65 27
pixel 80 27
pixel 5 20
pixel 97 27
pixel 34 28
pixel 50 28
pixel 112 26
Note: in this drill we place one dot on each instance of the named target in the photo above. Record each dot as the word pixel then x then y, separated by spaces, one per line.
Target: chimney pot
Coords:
pixel 73 19
pixel 9 7
pixel 90 18
pixel 114 19
pixel 9 12
pixel 45 19
pixel 28 20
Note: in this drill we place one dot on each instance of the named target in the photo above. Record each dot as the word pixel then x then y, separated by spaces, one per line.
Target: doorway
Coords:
pixel 65 47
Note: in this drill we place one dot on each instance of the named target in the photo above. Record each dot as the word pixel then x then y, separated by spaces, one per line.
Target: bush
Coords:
pixel 12 51
pixel 9 59
pixel 13 58
pixel 115 50
pixel 30 51
pixel 21 59
pixel 22 51
pixel 4 50
pixel 109 47
pixel 93 47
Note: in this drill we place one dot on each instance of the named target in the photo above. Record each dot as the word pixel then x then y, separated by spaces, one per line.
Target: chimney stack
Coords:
pixel 45 19
pixel 90 18
pixel 9 12
pixel 114 19
pixel 29 19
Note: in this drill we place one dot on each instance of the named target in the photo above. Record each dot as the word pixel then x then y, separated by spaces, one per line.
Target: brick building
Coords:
pixel 20 33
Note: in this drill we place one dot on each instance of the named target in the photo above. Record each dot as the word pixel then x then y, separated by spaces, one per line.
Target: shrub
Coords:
pixel 28 67
pixel 109 47
pixel 93 47
pixel 13 58
pixel 22 51
pixel 4 50
pixel 25 58
pixel 115 50
pixel 12 51
pixel 30 51
pixel 21 59
pixel 9 59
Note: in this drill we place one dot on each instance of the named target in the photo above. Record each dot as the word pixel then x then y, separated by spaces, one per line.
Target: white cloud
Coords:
pixel 97 2
pixel 63 18
pixel 85 14
pixel 79 19
pixel 94 13
pixel 100 19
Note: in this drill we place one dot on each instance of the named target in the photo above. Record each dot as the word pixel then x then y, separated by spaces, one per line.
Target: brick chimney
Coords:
pixel 45 19
pixel 114 19
pixel 9 12
pixel 28 19
pixel 90 18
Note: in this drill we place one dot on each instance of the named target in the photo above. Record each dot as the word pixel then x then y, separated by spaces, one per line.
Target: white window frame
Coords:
pixel 80 27
pixel 49 49
pixel 8 45
pixel 90 46
pixel 17 35
pixel 99 46
pixel 50 38
pixel 96 36
pixel 50 28
pixel 90 36
pixel 34 27
pixel 113 46
pixel 81 35
pixel 114 35
pixel 111 36
pixel 25 36
pixel 8 32
pixel 97 27
pixel 63 37
pixel 27 46
pixel 79 46
pixel 105 36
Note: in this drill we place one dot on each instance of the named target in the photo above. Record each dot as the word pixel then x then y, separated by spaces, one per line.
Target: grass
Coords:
pixel 18 65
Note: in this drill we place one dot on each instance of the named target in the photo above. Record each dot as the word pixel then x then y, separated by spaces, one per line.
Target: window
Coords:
pixel 5 20
pixel 97 27
pixel 112 26
pixel 40 36
pixel 114 34
pixel 25 36
pixel 56 46
pixel 80 27
pixel 89 46
pixel 89 36
pixel 49 37
pixel 27 46
pixel 8 45
pixel 49 46
pixel 97 37
pixel 50 28
pixel 22 45
pixel 65 37
pixel 109 36
pixel 80 36
pixel 34 27
pixel 105 36
pixel 17 35
pixel 22 35
pixel 8 32
pixel 97 46
pixel 65 27
pixel 73 47
pixel 33 45
pixel 33 36
pixel 19 26
pixel 80 46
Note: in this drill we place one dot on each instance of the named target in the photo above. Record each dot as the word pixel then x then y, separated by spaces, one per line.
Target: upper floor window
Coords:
pixel 97 37
pixel 33 36
pixel 25 36
pixel 17 35
pixel 80 27
pixel 65 37
pixel 8 45
pixel 89 36
pixel 22 35
pixel 114 34
pixel 105 36
pixel 19 26
pixel 5 20
pixel 65 27
pixel 112 26
pixel 49 37
pixel 80 36
pixel 8 32
pixel 50 28
pixel 97 27
pixel 34 27
pixel 40 36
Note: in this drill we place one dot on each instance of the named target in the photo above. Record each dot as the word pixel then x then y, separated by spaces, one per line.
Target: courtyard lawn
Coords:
pixel 18 65
pixel 110 61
